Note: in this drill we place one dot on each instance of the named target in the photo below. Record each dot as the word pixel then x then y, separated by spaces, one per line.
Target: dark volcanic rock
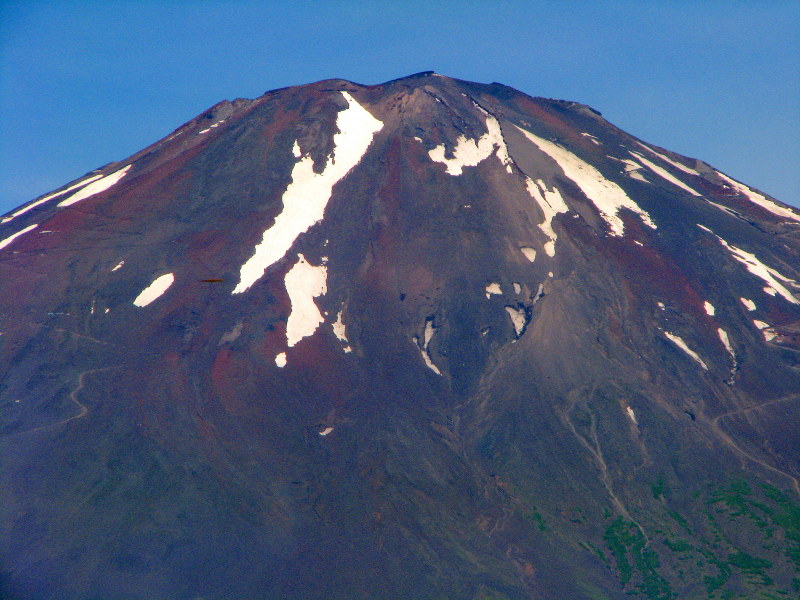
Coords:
pixel 425 339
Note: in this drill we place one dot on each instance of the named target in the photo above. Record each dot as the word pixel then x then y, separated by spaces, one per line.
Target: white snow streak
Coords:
pixel 426 356
pixel 304 282
pixel 762 201
pixel 723 336
pixel 748 303
pixel 606 195
pixel 307 195
pixel 551 204
pixel 326 431
pixel 682 345
pixel 212 127
pixel 665 174
pixel 769 275
pixel 119 266
pixel 632 415
pixel 101 185
pixel 591 137
pixel 469 153
pixel 11 238
pixel 666 159
pixel 154 290
pixel 25 209
pixel 710 310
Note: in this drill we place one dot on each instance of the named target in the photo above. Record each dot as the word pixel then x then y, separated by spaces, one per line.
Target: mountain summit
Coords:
pixel 424 339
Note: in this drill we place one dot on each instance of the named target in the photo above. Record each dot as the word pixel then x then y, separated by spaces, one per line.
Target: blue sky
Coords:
pixel 85 83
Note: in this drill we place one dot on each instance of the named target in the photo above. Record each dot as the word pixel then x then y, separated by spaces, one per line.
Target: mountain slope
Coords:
pixel 429 338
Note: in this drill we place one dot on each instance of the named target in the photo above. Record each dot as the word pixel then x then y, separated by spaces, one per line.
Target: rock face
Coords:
pixel 425 339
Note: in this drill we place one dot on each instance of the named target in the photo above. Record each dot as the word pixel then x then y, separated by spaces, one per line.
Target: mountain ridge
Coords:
pixel 424 338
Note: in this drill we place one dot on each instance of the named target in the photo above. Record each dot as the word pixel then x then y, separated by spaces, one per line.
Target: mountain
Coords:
pixel 426 339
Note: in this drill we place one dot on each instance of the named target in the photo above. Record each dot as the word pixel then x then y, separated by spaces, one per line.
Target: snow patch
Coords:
pixel 306 197
pixel 280 360
pixel 101 185
pixel 119 266
pixel 665 174
pixel 340 332
pixel 11 238
pixel 493 288
pixel 606 195
pixel 518 318
pixel 25 209
pixel 770 290
pixel 749 304
pixel 723 336
pixel 632 415
pixel 154 290
pixel 638 176
pixel 761 200
pixel 632 168
pixel 765 329
pixel 326 431
pixel 661 305
pixel 551 203
pixel 710 310
pixel 591 138
pixel 528 253
pixel 304 282
pixel 682 345
pixel 517 288
pixel 470 153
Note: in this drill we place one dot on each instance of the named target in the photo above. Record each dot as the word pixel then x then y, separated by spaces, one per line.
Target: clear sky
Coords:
pixel 85 83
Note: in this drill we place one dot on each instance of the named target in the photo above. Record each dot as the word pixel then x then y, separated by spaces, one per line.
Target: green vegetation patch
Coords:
pixel 627 544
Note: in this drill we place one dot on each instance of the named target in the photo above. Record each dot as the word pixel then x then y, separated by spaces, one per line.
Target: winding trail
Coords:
pixel 727 439
pixel 82 408
pixel 595 450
